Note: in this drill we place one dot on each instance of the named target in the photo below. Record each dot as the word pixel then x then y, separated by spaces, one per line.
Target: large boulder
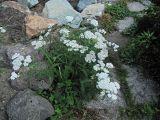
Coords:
pixel 93 10
pixel 16 6
pixel 13 21
pixel 36 24
pixel 26 105
pixel 63 12
pixel 84 3
pixel 29 3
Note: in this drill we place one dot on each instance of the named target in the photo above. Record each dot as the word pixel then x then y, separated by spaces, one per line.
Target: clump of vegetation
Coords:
pixel 144 49
pixel 136 47
pixel 113 13
pixel 139 111
pixel 72 82
pixel 107 22
pixel 118 10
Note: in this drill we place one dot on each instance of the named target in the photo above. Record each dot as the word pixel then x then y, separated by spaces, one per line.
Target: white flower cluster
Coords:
pixel 18 61
pixel 64 32
pixel 2 30
pixel 74 46
pixel 91 57
pixel 40 42
pixel 14 76
pixel 93 22
pixel 88 35
pixel 114 45
pixel 104 83
pixel 102 31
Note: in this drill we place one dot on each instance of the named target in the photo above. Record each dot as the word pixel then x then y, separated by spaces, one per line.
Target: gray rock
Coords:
pixel 127 22
pixel 144 90
pixel 136 6
pixel 84 3
pixel 118 38
pixel 147 2
pixel 93 10
pixel 59 10
pixel 18 48
pixel 29 3
pixel 6 92
pixel 26 105
pixel 25 80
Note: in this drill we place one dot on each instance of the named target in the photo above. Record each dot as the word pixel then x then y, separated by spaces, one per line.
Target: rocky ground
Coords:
pixel 23 22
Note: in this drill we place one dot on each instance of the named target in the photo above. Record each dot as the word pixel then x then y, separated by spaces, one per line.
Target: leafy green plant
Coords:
pixel 73 80
pixel 136 47
pixel 139 111
pixel 118 10
pixel 113 13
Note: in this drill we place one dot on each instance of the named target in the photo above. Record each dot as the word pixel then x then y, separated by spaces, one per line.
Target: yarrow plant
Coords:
pixel 41 42
pixel 97 54
pixel 77 68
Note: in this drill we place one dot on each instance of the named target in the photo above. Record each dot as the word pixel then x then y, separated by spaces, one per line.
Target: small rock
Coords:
pixel 29 3
pixel 17 6
pixel 26 105
pixel 93 10
pixel 36 24
pixel 59 10
pixel 84 3
pixel 136 6
pixel 124 24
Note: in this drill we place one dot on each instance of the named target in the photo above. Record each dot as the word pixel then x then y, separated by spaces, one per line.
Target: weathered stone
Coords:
pixel 18 48
pixel 147 2
pixel 29 3
pixel 93 10
pixel 26 105
pixel 26 81
pixel 13 20
pixel 36 24
pixel 17 6
pixel 59 10
pixel 84 3
pixel 136 6
pixel 127 22
pixel 144 90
